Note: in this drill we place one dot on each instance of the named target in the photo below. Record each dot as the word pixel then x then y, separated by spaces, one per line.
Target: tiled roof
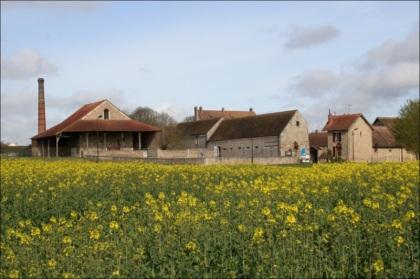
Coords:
pixel 383 137
pixel 199 127
pixel 263 125
pixel 80 113
pixel 318 140
pixel 110 126
pixel 226 114
pixel 384 121
pixel 75 120
pixel 342 122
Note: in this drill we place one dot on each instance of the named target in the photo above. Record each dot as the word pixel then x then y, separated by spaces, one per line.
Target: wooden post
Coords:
pixel 104 141
pixel 87 141
pixel 42 148
pixel 48 149
pixel 139 141
pixel 57 138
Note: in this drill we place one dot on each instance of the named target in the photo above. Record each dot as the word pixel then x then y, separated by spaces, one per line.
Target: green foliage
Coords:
pixel 407 128
pixel 152 117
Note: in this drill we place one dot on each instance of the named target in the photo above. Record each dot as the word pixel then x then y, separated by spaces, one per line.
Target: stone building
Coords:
pixel 385 147
pixel 201 114
pixel 196 134
pixel 349 137
pixel 352 138
pixel 280 134
pixel 98 127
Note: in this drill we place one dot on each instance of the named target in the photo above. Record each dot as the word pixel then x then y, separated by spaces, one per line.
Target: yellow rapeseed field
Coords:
pixel 71 218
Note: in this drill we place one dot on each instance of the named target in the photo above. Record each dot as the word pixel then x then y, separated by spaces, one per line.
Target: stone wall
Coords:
pixel 247 148
pixel 257 160
pixel 391 155
pixel 181 153
pixel 362 138
pixel 295 131
pixel 114 112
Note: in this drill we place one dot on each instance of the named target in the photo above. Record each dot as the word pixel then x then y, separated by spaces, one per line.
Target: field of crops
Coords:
pixel 82 219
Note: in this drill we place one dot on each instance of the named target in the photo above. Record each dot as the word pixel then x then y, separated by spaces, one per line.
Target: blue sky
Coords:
pixel 171 56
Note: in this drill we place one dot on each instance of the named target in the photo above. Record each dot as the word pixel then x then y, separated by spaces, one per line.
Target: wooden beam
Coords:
pixel 48 149
pixel 139 141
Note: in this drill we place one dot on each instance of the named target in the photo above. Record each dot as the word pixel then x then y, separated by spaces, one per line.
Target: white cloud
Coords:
pixel 314 82
pixel 382 75
pixel 301 37
pixel 26 64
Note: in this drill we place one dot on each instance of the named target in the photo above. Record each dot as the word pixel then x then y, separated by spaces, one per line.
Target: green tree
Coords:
pixel 406 127
pixel 152 117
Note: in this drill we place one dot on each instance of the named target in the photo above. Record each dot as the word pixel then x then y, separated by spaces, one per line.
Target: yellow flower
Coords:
pixel 161 196
pixel 114 225
pixel 258 236
pixel 35 232
pixel 191 246
pixel 266 211
pixel 126 209
pixel 241 228
pixel 290 219
pixel 114 208
pixel 157 228
pixel 52 263
pixel 68 275
pixel 67 240
pixel 378 266
pixel 93 216
pixel 116 273
pixel 73 214
pixel 399 240
pixel 14 274
pixel 396 224
pixel 94 234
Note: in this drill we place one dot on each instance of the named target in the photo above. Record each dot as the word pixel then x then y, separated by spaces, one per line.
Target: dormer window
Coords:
pixel 106 114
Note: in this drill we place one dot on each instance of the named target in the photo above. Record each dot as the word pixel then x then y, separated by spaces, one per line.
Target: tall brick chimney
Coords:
pixel 41 106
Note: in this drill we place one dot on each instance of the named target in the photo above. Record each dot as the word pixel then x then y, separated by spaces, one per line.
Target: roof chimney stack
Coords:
pixel 223 109
pixel 251 110
pixel 195 113
pixel 41 106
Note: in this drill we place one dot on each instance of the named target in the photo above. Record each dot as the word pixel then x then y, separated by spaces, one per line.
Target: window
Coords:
pixel 247 147
pixel 239 148
pixel 336 136
pixel 256 147
pixel 297 123
pixel 106 114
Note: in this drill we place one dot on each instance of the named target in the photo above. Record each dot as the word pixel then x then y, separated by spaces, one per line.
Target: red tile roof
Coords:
pixel 342 122
pixel 73 123
pixel 110 126
pixel 226 114
pixel 318 140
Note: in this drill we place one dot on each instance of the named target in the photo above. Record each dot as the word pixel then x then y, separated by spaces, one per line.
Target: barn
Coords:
pixel 95 128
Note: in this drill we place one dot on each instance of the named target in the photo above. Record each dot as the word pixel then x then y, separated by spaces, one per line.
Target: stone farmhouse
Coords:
pixel 98 127
pixel 352 138
pixel 281 136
